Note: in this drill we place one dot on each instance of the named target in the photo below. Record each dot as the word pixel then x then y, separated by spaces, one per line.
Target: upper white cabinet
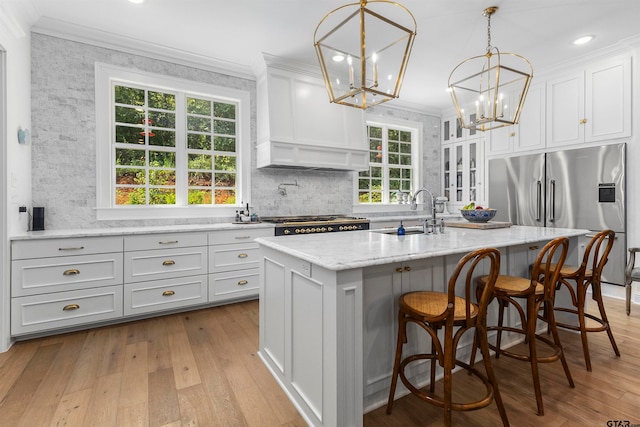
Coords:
pixel 529 133
pixel 590 105
pixel 452 130
pixel 463 171
pixel 299 127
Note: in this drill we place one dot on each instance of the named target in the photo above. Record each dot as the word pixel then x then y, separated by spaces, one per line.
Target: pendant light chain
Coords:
pixel 488 32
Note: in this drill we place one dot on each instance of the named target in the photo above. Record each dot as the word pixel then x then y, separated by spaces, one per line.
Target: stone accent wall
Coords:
pixel 63 141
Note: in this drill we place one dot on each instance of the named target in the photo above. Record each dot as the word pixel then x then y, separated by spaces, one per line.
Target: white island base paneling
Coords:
pixel 328 335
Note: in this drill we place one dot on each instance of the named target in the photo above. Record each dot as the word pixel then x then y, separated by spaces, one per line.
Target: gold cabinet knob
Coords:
pixel 399 270
pixel 407 268
pixel 583 121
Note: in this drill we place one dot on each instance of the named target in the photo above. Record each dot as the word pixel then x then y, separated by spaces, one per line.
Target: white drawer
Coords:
pixel 233 257
pixel 164 264
pixel 234 284
pixel 43 248
pixel 164 241
pixel 65 309
pixel 222 237
pixel 47 275
pixel 167 294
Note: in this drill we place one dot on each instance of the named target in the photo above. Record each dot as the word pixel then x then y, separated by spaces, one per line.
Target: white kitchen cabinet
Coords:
pixel 164 294
pixel 463 172
pixel 73 282
pixel 452 130
pixel 298 126
pixel 590 105
pixel 61 283
pixel 529 134
pixel 234 261
pixel 164 271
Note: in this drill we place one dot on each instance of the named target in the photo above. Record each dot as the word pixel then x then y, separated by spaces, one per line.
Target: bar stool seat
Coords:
pixel 537 292
pixel 577 280
pixel 436 311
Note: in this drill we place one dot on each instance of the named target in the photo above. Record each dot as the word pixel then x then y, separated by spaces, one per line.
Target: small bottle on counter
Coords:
pixel 401 230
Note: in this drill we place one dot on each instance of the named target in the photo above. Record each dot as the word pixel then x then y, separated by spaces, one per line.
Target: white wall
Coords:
pixel 15 162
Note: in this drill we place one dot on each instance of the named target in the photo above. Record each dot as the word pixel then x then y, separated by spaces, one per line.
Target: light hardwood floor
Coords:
pixel 201 369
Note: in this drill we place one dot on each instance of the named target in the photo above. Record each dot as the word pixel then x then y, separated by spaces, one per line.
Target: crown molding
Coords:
pixel 82 34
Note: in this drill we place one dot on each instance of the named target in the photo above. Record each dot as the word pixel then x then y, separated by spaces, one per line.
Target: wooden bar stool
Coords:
pixel 434 311
pixel 538 292
pixel 577 281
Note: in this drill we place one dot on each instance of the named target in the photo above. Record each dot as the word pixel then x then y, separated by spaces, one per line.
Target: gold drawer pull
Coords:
pixel 71 249
pixel 242 255
pixel 70 307
pixel 71 272
pixel 168 242
pixel 168 293
pixel 168 262
pixel 399 270
pixel 242 237
pixel 533 248
pixel 242 282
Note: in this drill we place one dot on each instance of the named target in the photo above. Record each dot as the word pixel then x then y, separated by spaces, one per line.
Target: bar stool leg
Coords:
pixel 596 292
pixel 532 317
pixel 556 340
pixel 486 356
pixel 402 339
pixel 582 297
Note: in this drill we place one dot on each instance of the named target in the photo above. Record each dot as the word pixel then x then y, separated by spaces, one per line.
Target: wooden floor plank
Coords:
pixel 46 397
pixel 123 375
pixel 18 398
pixel 163 398
pixel 103 406
pixel 72 408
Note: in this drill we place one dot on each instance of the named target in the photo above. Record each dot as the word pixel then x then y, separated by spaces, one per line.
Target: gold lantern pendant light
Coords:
pixel 363 54
pixel 489 90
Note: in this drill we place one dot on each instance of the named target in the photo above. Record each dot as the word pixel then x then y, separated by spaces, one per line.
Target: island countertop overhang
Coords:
pixel 357 249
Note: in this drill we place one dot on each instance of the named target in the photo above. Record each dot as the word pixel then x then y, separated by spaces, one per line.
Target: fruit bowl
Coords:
pixel 478 215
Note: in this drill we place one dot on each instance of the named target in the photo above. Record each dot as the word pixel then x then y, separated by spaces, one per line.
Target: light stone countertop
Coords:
pixel 120 231
pixel 356 249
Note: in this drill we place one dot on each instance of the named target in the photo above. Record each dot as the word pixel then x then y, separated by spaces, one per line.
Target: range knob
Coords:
pixel 298 231
pixel 329 228
pixel 287 232
pixel 323 229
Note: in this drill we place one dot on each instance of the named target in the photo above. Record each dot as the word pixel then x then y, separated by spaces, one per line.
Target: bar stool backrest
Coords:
pixel 544 271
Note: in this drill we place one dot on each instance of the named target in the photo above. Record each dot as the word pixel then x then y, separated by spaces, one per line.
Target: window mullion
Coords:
pixel 385 165
pixel 182 196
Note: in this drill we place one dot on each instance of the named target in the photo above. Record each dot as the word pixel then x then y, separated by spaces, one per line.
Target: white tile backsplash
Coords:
pixel 63 142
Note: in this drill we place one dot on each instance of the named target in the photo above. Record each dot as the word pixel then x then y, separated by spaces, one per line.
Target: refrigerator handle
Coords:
pixel 552 200
pixel 539 201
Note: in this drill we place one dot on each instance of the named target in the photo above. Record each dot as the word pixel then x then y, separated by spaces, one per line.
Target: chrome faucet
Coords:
pixel 430 226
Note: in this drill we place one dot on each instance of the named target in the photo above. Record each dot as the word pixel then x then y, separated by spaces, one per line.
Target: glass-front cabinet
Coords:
pixel 462 177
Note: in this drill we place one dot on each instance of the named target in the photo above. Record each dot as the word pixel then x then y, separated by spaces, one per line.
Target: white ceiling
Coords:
pixel 449 31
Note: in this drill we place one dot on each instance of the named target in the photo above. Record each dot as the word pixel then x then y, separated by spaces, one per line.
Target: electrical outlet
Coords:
pixel 22 209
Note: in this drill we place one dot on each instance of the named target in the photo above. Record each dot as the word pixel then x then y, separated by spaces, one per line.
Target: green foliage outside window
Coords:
pixel 146 145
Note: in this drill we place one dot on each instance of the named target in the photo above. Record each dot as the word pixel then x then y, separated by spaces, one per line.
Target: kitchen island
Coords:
pixel 328 307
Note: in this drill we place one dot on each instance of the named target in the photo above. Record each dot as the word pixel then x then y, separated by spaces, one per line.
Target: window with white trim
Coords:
pixel 169 147
pixel 394 159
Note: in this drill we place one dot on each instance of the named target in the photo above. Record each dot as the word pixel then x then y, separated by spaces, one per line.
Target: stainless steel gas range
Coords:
pixel 292 225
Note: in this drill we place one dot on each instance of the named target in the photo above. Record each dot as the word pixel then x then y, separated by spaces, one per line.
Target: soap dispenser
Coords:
pixel 401 231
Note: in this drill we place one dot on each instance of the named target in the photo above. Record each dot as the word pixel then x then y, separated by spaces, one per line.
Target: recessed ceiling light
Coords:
pixel 582 40
pixel 136 1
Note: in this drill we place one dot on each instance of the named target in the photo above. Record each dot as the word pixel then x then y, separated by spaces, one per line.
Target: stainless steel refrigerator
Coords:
pixel 580 188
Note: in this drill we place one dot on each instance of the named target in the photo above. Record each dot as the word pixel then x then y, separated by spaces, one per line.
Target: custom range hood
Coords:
pixel 299 128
